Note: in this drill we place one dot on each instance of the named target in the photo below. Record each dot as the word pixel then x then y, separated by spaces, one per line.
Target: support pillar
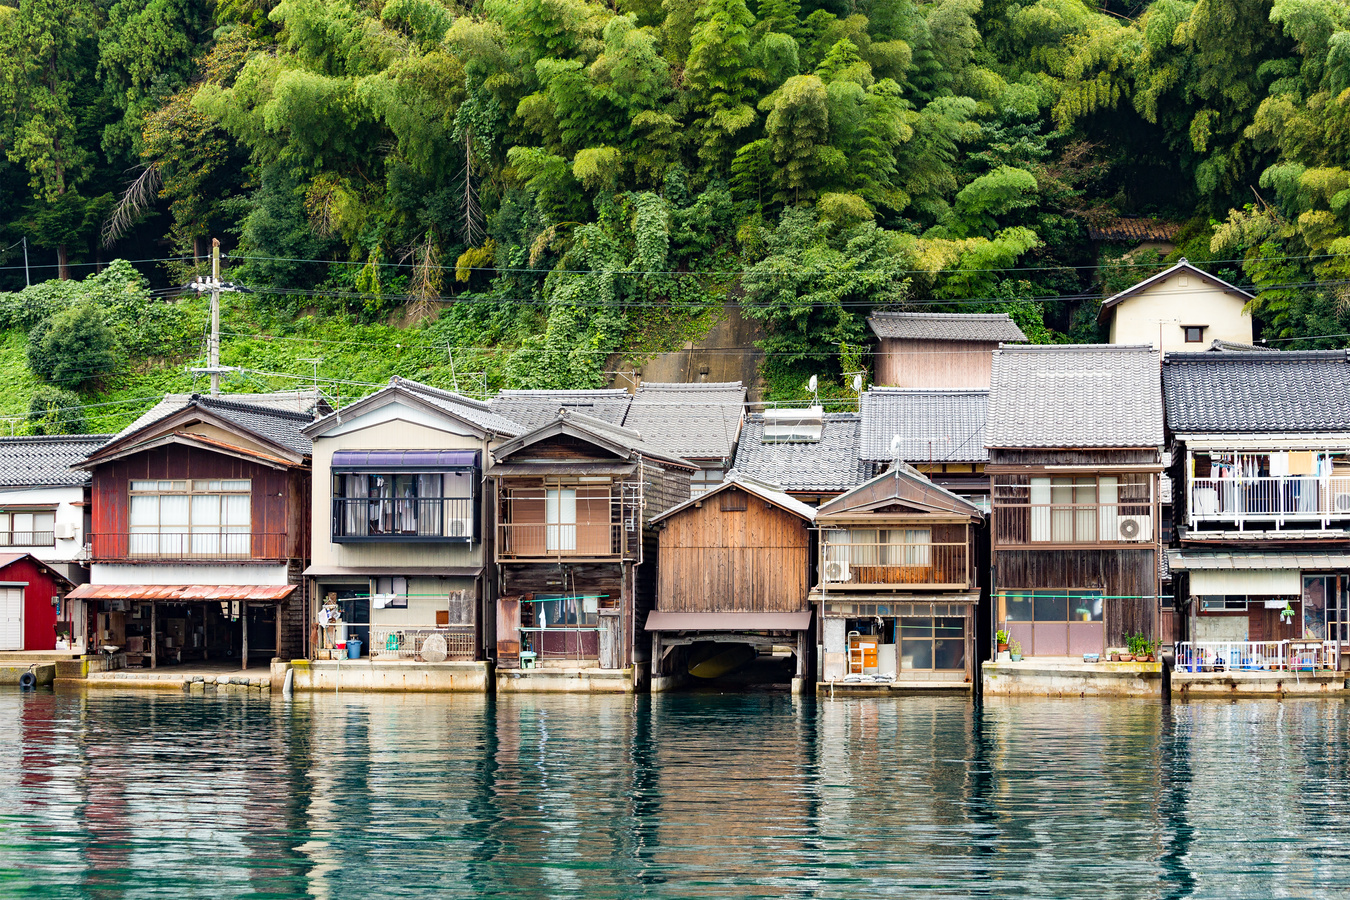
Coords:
pixel 154 635
pixel 243 628
pixel 276 651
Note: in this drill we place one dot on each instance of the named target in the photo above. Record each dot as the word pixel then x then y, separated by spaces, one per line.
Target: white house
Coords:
pixel 1179 309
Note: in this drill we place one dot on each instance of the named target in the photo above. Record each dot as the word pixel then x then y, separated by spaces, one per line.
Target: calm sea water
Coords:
pixel 107 795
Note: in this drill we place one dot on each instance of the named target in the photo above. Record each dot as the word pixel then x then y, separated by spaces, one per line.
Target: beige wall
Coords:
pixel 935 364
pixel 1184 298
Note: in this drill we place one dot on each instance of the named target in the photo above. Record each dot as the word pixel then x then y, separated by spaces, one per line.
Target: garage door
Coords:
pixel 11 618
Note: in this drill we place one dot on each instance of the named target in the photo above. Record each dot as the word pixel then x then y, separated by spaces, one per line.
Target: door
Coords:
pixel 11 618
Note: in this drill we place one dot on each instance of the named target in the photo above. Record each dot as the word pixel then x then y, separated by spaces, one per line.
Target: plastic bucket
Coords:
pixel 353 648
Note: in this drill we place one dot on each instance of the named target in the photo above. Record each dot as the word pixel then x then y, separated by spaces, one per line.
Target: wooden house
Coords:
pixel 200 531
pixel 1179 309
pixel 32 600
pixel 1075 436
pixel 574 499
pixel 938 350
pixel 940 432
pixel 898 583
pixel 402 529
pixel 1260 446
pixel 734 569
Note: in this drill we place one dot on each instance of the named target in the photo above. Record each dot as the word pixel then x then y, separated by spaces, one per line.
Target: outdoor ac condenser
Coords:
pixel 1135 528
pixel 836 571
pixel 459 528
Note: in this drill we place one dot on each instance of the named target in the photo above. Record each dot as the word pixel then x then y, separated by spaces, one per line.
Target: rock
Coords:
pixel 222 679
pixel 198 686
pixel 198 679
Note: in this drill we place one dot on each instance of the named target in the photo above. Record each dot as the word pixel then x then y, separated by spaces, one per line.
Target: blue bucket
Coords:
pixel 353 648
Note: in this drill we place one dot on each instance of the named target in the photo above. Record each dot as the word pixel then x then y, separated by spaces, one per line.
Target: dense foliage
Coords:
pixel 590 182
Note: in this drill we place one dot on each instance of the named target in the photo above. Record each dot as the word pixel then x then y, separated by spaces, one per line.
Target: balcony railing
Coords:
pixel 1256 656
pixel 571 540
pixel 1072 523
pixel 197 544
pixel 407 641
pixel 875 564
pixel 27 539
pixel 1270 499
pixel 403 519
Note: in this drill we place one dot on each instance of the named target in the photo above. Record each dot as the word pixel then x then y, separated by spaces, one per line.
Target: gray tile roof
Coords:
pixel 694 421
pixel 534 408
pixel 1260 392
pixel 45 461
pixel 276 417
pixel 302 401
pixel 1219 345
pixel 475 411
pixel 932 425
pixel 991 327
pixel 1083 395
pixel 830 464
pixel 621 435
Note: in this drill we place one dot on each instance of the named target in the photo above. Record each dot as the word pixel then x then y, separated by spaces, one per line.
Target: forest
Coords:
pixel 534 189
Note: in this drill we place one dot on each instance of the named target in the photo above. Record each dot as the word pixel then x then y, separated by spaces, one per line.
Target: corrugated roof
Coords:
pixel 693 421
pixel 1259 392
pixel 183 593
pixel 534 408
pixel 829 464
pixel 1075 395
pixel 1190 560
pixel 991 327
pixel 45 461
pixel 932 425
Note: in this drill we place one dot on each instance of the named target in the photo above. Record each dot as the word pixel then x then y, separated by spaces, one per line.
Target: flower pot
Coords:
pixel 1127 657
pixel 1115 657
pixel 1002 647
pixel 1016 657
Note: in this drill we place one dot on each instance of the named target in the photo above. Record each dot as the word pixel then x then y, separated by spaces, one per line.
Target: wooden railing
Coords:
pixel 1273 499
pixel 1072 523
pixel 197 544
pixel 850 564
pixel 571 540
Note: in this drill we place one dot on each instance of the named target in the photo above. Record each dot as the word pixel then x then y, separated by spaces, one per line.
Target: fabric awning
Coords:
pixel 728 621
pixel 1193 560
pixel 1209 582
pixel 183 593
pixel 403 460
pixel 392 571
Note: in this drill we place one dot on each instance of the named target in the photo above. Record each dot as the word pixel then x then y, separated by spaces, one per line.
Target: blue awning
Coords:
pixel 403 460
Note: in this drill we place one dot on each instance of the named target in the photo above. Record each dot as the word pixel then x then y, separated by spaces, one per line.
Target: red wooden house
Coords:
pixel 31 594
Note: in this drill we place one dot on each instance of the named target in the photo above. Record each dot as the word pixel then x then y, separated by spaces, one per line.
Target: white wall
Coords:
pixel 63 500
pixel 187 573
pixel 1183 298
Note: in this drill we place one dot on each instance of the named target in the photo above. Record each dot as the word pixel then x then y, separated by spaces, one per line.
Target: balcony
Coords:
pixel 1264 501
pixel 412 519
pixel 199 544
pixel 27 539
pixel 891 564
pixel 604 540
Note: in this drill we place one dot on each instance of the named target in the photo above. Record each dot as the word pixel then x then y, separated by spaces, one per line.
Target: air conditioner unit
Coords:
pixel 1342 502
pixel 1135 528
pixel 459 528
pixel 836 571
pixel 64 531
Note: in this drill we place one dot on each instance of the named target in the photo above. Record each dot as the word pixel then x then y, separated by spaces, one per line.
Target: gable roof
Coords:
pixel 8 559
pixel 694 421
pixel 750 486
pixel 932 425
pixel 309 401
pixel 46 460
pixel 1182 266
pixel 1260 392
pixel 930 326
pixel 1219 345
pixel 623 442
pixel 828 464
pixel 531 409
pixel 901 484
pixel 1075 395
pixel 475 413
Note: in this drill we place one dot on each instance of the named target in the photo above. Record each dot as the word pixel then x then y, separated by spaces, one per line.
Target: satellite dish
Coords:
pixel 811 385
pixel 857 384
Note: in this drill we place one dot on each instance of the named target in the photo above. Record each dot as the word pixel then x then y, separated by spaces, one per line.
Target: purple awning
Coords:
pixel 404 460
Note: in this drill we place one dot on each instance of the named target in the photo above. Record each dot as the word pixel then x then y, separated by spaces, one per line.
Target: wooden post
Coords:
pixel 154 636
pixel 243 626
pixel 276 648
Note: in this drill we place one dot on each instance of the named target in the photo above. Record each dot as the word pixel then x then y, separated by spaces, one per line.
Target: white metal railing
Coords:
pixel 1256 656
pixel 405 641
pixel 1269 498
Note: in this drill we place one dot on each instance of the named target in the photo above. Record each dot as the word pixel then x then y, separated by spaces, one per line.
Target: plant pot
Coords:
pixel 1148 657
pixel 1115 657
pixel 1127 657
pixel 1002 647
pixel 1016 657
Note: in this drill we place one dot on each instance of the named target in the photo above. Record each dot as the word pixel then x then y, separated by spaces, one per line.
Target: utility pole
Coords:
pixel 26 281
pixel 213 349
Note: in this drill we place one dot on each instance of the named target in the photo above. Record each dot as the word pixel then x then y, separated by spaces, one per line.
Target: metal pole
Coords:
pixel 26 281
pixel 213 348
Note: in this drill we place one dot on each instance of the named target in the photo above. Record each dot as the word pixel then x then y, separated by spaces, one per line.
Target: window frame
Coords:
pixel 8 531
pixel 232 540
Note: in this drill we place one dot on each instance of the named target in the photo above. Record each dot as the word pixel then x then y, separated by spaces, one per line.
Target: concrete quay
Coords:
pixel 1071 677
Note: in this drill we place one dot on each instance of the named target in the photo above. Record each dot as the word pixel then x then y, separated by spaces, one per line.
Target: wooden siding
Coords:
pixel 1118 574
pixel 935 364
pixel 717 560
pixel 1143 456
pixel 279 508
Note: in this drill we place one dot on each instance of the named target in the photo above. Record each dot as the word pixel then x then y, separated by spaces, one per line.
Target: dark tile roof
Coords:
pixel 694 421
pixel 45 461
pixel 278 417
pixel 534 408
pixel 932 425
pixel 477 412
pixel 1128 229
pixel 309 402
pixel 1075 395
pixel 830 464
pixel 1261 392
pixel 991 327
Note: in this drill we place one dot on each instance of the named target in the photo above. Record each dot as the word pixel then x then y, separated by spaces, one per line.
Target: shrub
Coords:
pixel 54 411
pixel 74 349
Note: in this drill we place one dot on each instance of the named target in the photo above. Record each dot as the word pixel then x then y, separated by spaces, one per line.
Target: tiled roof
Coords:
pixel 1183 267
pixel 45 461
pixel 991 327
pixel 932 425
pixel 830 464
pixel 624 437
pixel 1261 392
pixel 694 421
pixel 534 408
pixel 1128 229
pixel 1075 395
pixel 475 411
pixel 304 401
pixel 276 417
pixel 1219 345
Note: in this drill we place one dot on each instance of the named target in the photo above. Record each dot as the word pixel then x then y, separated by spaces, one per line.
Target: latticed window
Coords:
pixel 191 518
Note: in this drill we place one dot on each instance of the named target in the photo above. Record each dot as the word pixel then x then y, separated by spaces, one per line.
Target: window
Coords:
pixel 389 592
pixel 201 518
pixel 704 480
pixel 560 519
pixel 1226 602
pixel 28 528
pixel 932 642
pixel 403 506
pixel 1195 334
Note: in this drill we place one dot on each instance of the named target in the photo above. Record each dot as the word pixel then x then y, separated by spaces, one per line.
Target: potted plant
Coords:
pixel 1114 654
pixel 1001 638
pixel 1015 650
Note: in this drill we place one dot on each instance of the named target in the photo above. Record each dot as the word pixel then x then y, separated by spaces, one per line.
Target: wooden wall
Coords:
pixel 718 559
pixel 280 501
pixel 1143 456
pixel 1116 573
pixel 935 364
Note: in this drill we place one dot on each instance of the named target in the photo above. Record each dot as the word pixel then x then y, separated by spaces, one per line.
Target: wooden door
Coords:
pixel 611 641
pixel 508 632
pixel 11 618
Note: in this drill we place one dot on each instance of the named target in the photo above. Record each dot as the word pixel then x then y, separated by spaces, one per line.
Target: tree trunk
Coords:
pixel 62 265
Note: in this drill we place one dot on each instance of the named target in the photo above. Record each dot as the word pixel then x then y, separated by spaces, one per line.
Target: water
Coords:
pixel 107 795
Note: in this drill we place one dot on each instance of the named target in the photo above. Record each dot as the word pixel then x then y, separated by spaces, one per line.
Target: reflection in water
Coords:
pixel 107 795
